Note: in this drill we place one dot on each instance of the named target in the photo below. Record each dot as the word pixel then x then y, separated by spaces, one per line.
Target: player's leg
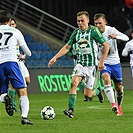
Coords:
pixel 119 96
pixel 24 105
pixel 11 90
pixel 88 94
pixel 117 78
pixel 4 81
pixel 89 82
pixel 19 84
pixel 99 94
pixel 76 79
pixel 91 79
pixel 12 94
pixel 109 90
pixel 72 96
pixel 25 72
pixel 27 80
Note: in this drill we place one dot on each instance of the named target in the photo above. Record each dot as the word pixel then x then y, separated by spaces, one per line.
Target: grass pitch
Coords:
pixel 90 117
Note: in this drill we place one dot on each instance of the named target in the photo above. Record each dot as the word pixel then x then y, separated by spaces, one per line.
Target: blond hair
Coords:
pixel 83 13
pixel 99 15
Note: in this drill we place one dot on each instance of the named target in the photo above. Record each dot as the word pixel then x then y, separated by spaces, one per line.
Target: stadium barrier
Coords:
pixel 58 80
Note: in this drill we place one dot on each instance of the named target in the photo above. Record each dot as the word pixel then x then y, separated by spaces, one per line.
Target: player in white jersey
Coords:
pixel 128 50
pixel 9 68
pixel 112 68
pixel 23 68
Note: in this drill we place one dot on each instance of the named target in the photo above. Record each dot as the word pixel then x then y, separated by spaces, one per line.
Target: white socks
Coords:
pixel 109 93
pixel 24 104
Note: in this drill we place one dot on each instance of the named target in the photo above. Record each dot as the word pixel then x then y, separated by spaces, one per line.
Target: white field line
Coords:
pixel 98 107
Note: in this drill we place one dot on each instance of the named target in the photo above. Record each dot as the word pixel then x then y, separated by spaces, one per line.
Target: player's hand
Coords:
pixel 101 66
pixel 51 62
pixel 20 57
pixel 112 36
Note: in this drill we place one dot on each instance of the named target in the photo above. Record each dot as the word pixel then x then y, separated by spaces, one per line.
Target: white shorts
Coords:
pixel 88 72
pixel 23 69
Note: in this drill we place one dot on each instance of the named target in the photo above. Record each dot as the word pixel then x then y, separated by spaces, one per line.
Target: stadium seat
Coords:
pixel 28 38
pixel 37 55
pixel 45 46
pixel 44 55
pixel 29 63
pixel 39 47
pixel 50 54
pixel 41 54
pixel 32 56
pixel 32 46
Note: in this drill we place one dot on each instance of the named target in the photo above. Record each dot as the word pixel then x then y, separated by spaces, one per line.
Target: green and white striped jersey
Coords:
pixel 84 44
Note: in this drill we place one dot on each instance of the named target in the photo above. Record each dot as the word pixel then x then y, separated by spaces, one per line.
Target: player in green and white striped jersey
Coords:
pixel 84 42
pixel 96 90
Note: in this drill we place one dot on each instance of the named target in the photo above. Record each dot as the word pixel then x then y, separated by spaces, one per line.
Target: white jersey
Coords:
pixel 128 49
pixel 9 37
pixel 113 56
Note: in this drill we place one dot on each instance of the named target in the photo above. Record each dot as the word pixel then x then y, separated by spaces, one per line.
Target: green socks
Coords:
pixel 12 94
pixel 71 101
pixel 96 92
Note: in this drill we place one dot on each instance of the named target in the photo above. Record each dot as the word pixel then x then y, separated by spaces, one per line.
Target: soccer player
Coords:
pixel 128 49
pixel 96 91
pixel 9 69
pixel 23 68
pixel 84 41
pixel 112 69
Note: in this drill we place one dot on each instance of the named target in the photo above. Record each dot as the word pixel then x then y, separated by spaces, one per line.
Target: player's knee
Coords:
pixel 22 92
pixel 74 83
pixel 106 78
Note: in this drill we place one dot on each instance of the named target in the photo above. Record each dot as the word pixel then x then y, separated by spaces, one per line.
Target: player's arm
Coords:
pixel 64 49
pixel 126 49
pixel 118 35
pixel 61 52
pixel 23 45
pixel 27 52
pixel 104 55
pixel 100 39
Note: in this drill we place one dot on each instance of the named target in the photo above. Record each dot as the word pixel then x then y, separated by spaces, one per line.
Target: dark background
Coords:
pixel 67 9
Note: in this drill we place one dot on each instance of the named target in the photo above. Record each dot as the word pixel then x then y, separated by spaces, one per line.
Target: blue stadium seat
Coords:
pixel 36 63
pixel 28 38
pixel 45 46
pixel 50 55
pixel 61 63
pixel 37 55
pixel 29 63
pixel 46 63
pixel 44 55
pixel 39 47
pixel 32 56
pixel 32 46
pixel 41 54
pixel 40 64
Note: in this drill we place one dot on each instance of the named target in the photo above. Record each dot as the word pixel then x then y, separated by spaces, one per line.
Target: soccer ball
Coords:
pixel 48 113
